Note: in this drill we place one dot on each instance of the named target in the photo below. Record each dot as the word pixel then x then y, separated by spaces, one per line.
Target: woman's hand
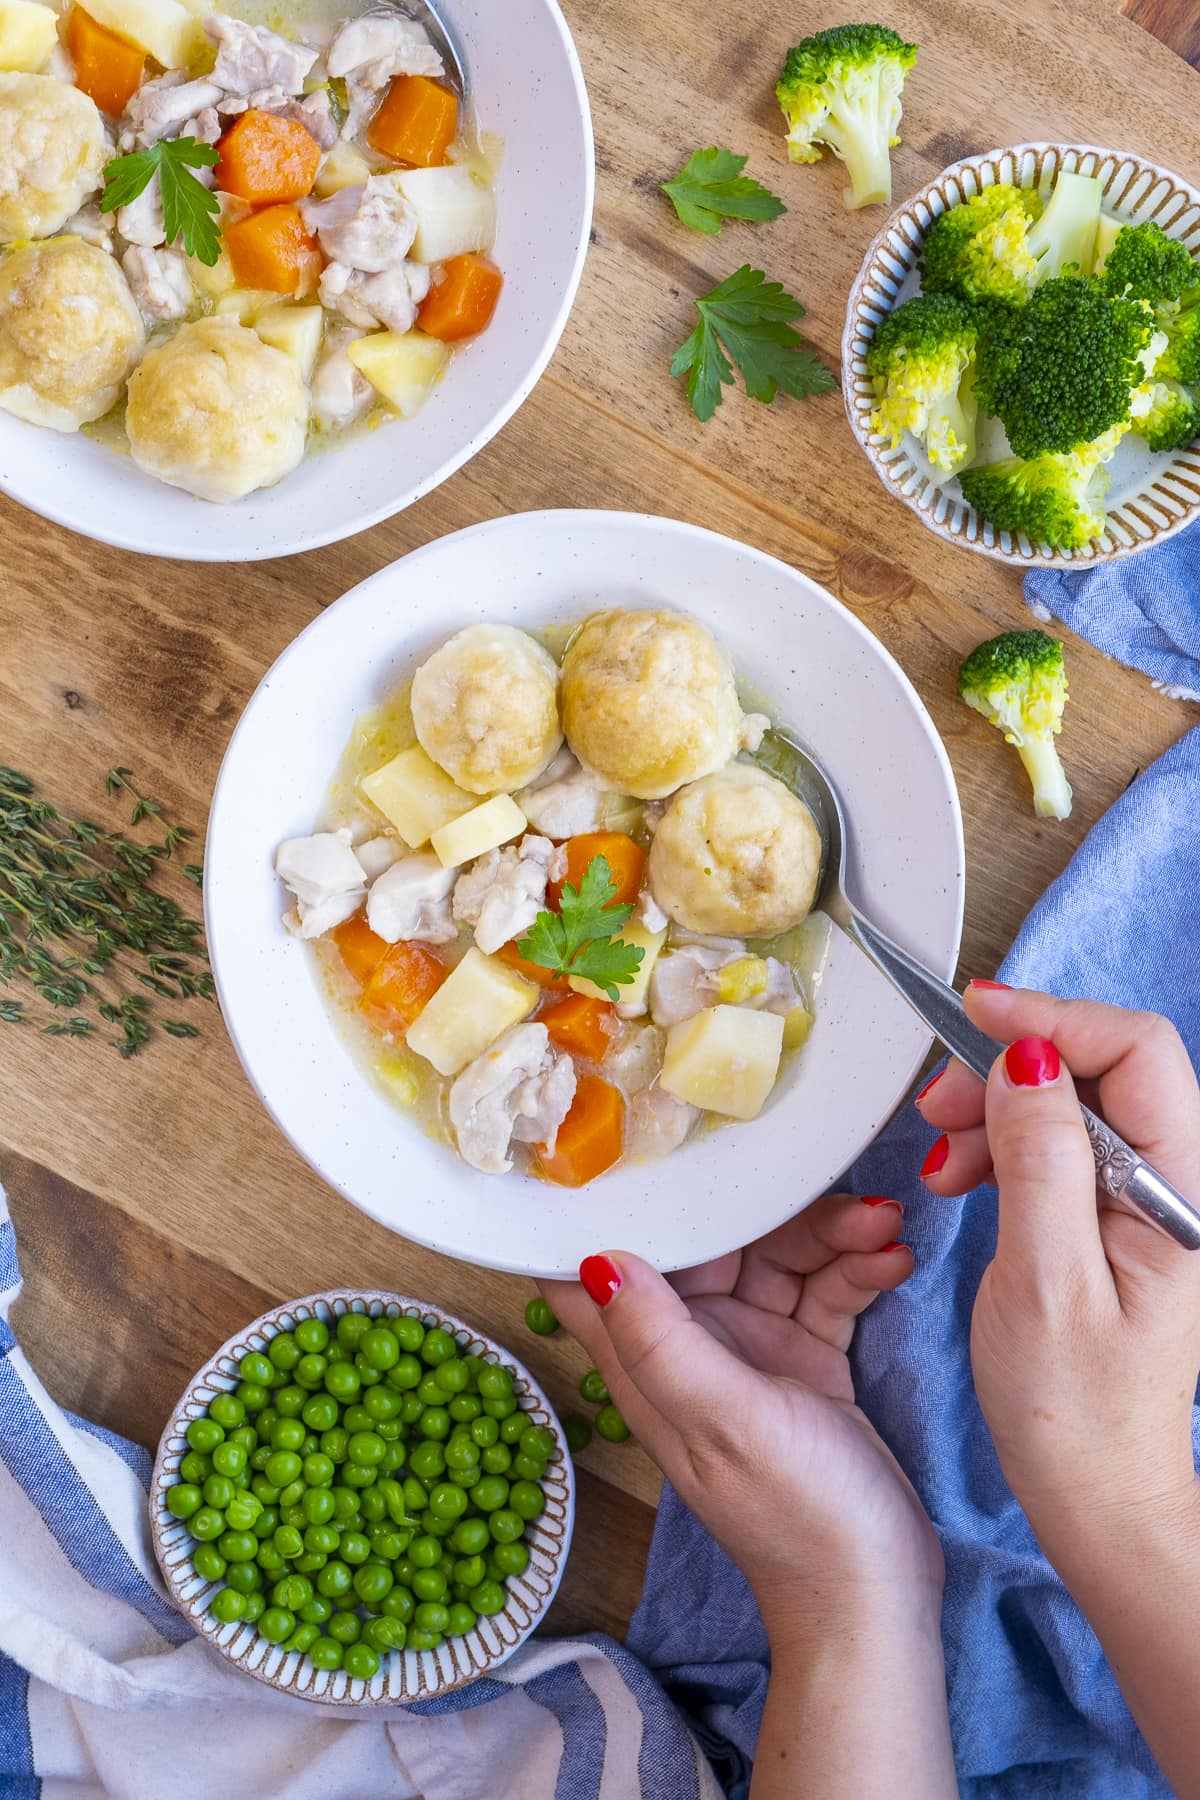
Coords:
pixel 735 1379
pixel 1086 1335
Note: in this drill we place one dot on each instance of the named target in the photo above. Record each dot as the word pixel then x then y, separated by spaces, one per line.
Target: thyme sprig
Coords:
pixel 83 926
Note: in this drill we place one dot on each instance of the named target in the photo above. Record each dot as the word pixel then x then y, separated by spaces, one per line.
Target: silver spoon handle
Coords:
pixel 1125 1176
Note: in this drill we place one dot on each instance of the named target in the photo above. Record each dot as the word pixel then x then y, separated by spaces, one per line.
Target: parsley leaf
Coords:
pixel 189 208
pixel 580 939
pixel 746 318
pixel 711 188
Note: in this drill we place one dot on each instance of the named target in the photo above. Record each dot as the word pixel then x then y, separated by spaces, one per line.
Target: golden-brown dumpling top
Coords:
pixel 737 855
pixel 216 411
pixel 52 154
pixel 69 333
pixel 485 708
pixel 649 701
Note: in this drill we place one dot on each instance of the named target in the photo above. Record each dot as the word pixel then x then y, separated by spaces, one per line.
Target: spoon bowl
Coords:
pixel 441 36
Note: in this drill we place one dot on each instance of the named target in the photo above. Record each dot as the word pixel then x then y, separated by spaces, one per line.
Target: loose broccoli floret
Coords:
pixel 1180 320
pixel 1145 264
pixel 1059 371
pixel 1002 242
pixel 920 361
pixel 1053 500
pixel 841 88
pixel 1166 414
pixel 1019 684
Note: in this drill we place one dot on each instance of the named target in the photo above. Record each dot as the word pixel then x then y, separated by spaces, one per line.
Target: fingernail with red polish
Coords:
pixel 880 1200
pixel 936 1160
pixel 601 1277
pixel 932 1082
pixel 1001 986
pixel 895 1245
pixel 1032 1062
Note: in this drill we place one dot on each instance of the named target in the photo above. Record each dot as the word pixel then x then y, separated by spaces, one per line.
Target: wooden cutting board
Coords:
pixel 156 1206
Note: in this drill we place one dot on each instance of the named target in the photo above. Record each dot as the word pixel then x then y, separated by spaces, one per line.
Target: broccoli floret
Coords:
pixel 1166 414
pixel 1180 320
pixel 920 362
pixel 1059 371
pixel 1002 242
pixel 1019 684
pixel 1053 500
pixel 841 88
pixel 1145 264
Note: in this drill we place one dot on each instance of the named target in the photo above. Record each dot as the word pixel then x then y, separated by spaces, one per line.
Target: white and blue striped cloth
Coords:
pixel 106 1691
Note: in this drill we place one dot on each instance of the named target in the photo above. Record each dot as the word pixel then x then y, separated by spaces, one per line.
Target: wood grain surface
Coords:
pixel 156 1206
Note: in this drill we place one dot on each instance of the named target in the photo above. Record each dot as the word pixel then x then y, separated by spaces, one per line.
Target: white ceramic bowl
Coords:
pixel 1153 494
pixel 403 1675
pixel 829 679
pixel 528 87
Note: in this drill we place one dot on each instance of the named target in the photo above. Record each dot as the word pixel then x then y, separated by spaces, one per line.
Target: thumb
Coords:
pixel 1043 1163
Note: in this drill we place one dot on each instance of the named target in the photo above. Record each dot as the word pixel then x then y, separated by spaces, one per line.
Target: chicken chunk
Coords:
pixel 634 1060
pixel 389 298
pixel 368 52
pixel 253 62
pixel 206 128
pixel 658 1123
pixel 370 226
pixel 649 914
pixel 339 393
pixel 314 114
pixel 92 225
pixel 565 800
pixel 141 222
pixel 377 854
pixel 502 894
pixel 520 1090
pixel 159 281
pixel 326 878
pixel 687 980
pixel 159 107
pixel 411 899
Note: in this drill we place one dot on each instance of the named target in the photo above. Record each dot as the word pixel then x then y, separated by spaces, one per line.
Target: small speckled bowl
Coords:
pixel 1153 494
pixel 403 1675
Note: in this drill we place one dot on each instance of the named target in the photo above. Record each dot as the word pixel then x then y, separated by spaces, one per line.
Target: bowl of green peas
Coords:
pixel 360 1500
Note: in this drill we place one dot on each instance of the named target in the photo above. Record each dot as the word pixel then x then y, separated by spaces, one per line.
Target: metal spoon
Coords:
pixel 1120 1171
pixel 443 39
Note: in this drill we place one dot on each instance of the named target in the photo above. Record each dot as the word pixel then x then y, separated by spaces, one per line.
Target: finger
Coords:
pixel 773 1267
pixel 953 1100
pixel 835 1296
pixel 716 1277
pixel 1045 1172
pixel 958 1162
pixel 1147 1087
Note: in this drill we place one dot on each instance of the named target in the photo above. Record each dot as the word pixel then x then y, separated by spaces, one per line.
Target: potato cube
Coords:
pixel 796 1026
pixel 28 33
pixel 742 980
pixel 296 330
pixel 404 367
pixel 343 167
pixel 724 1059
pixel 455 213
pixel 479 999
pixel 170 32
pixel 632 993
pixel 415 796
pixel 246 305
pixel 484 828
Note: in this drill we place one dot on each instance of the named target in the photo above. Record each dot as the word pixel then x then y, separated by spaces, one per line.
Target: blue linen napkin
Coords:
pixel 1034 1709
pixel 1143 610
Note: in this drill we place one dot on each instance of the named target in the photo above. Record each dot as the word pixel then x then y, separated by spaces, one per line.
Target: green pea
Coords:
pixel 372 1582
pixel 526 1499
pixel 430 1584
pixel 438 1347
pixel 496 1459
pixel 506 1525
pixel 206 1524
pixel 431 1615
pixel 411 1409
pixel 310 1372
pixel 196 1468
pixel 469 1571
pixel 342 1380
pixel 318 1505
pixel 287 1434
pixel 384 1634
pixel 367 1448
pixel 317 1470
pixel 357 1418
pixel 227 1410
pixel 208 1562
pixel 471 1536
pixel 354 1548
pixel 527 1468
pixel 256 1367
pixel 448 1501
pixel 382 1405
pixel 312 1335
pixel 242 1512
pixel 334 1580
pixel 452 1377
pixel 325 1653
pixel 303 1637
pixel 495 1383
pixel 611 1425
pixel 511 1559
pixel 361 1661
pixel 229 1459
pixel 276 1623
pixel 289 1401
pixel 594 1388
pixel 335 1444
pixel 460 1619
pixel 422 1640
pixel 539 1317
pixel 379 1348
pixel 368 1375
pixel 266 1522
pixel 485 1432
pixel 265 1420
pixel 502 1408
pixel 407 1373
pixel 398 1604
pixel 490 1493
pixel 316 1610
pixel 292 1592
pixel 387 1543
pixel 409 1332
pixel 373 1504
pixel 414 1495
pixel 424 1552
pixel 203 1435
pixel 462 1453
pixel 511 1428
pixel 261 1458
pixel 310 1562
pixel 434 1423
pixel 284 1351
pixel 403 1571
pixel 184 1499
pixel 431 1391
pixel 252 1395
pixel 246 1436
pixel 228 1606
pixel 433 1526
pixel 291 1515
pixel 238 1546
pixel 268 1558
pixel 246 1577
pixel 288 1541
pixel 427 1461
pixel 352 1327
pixel 488 1597
pixel 256 1605
pixel 578 1433
pixel 283 1468
pixel 321 1540
pixel 464 1407
pixel 345 1627
pixel 346 1503
pixel 320 1412
pixel 358 1475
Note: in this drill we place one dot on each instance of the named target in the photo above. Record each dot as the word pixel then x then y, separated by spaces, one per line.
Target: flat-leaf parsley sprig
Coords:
pixel 711 188
pixel 580 939
pixel 747 320
pixel 189 208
